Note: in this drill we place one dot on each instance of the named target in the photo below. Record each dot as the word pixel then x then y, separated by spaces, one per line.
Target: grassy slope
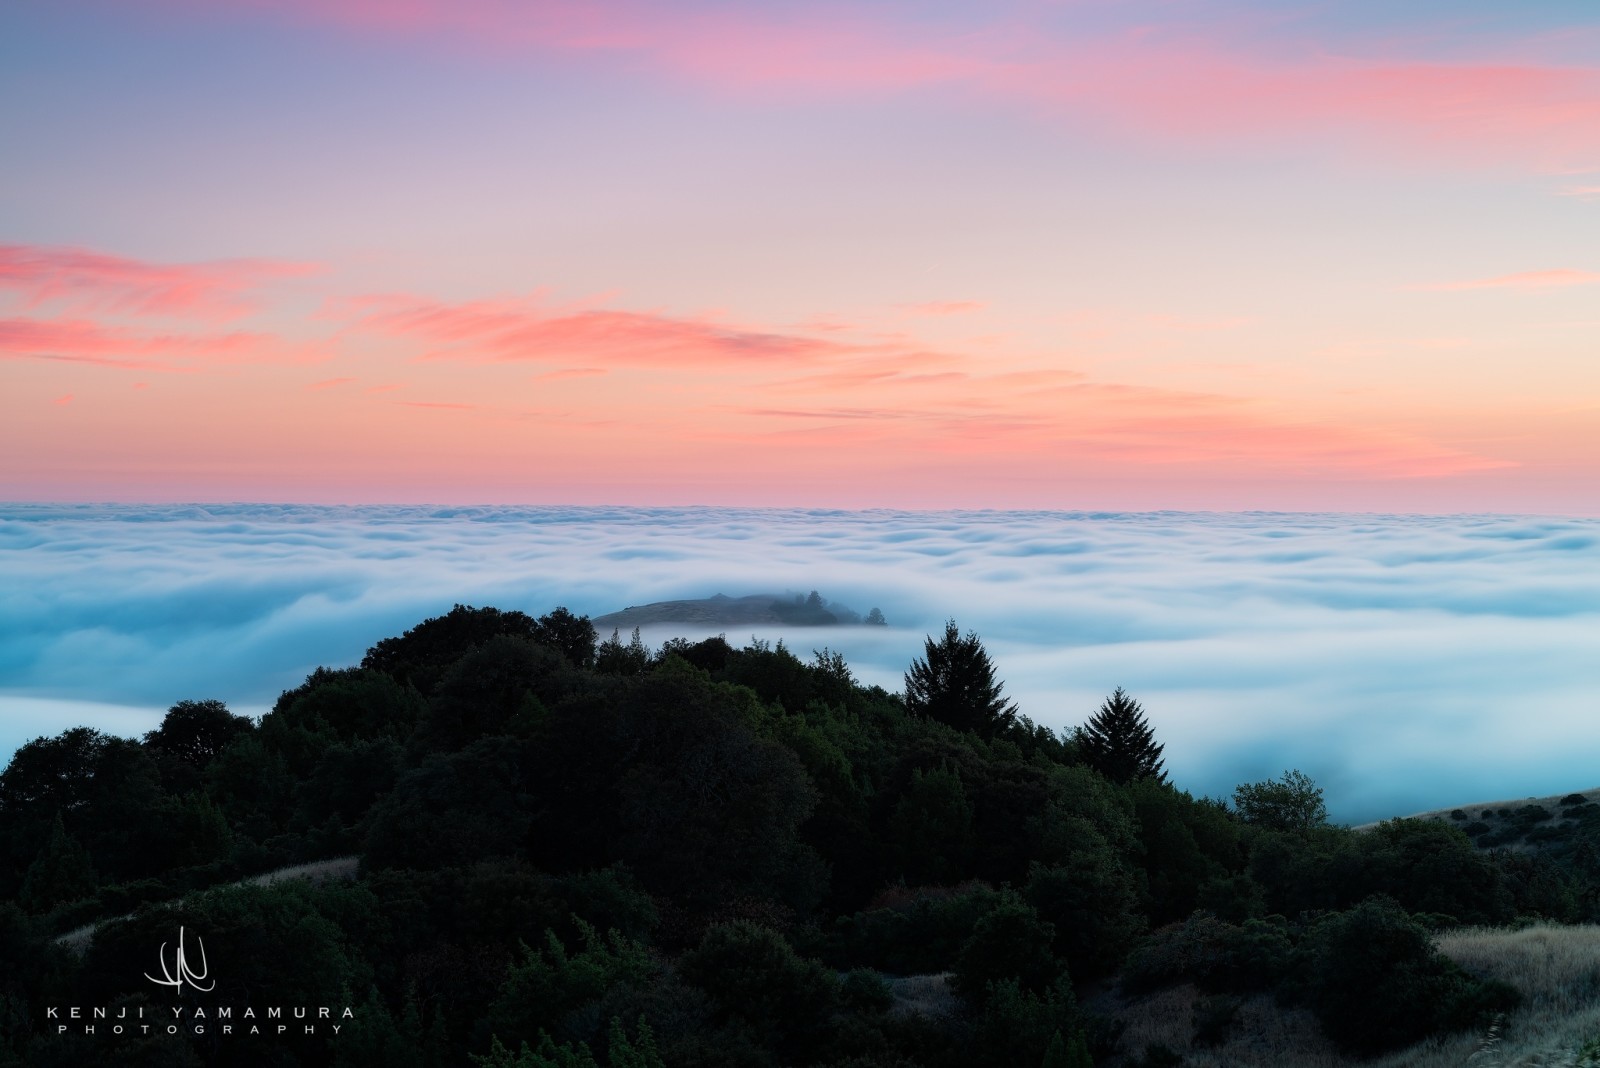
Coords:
pixel 1557 969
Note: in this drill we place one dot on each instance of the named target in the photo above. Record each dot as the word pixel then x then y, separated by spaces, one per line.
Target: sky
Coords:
pixel 1020 255
pixel 1406 663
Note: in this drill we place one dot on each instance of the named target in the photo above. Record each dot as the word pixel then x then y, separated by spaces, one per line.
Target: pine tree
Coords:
pixel 1119 744
pixel 954 683
pixel 62 873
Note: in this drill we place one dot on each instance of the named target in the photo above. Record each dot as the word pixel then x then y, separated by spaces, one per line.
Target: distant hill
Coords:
pixel 1557 822
pixel 789 609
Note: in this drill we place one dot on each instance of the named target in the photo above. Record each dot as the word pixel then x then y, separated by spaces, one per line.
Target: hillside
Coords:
pixel 759 609
pixel 1558 823
pixel 578 853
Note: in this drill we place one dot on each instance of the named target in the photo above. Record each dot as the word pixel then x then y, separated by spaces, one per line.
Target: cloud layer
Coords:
pixel 1404 662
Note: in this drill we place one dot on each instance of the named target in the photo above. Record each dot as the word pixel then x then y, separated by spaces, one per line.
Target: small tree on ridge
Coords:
pixel 1119 744
pixel 954 683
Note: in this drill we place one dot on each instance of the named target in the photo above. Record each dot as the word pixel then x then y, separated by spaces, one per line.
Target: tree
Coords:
pixel 1292 803
pixel 573 635
pixel 875 618
pixel 62 873
pixel 1119 744
pixel 194 732
pixel 954 683
pixel 616 658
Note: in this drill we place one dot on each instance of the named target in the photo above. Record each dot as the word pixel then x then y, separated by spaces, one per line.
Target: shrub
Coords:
pixel 1376 982
pixel 865 990
pixel 1011 942
pixel 754 974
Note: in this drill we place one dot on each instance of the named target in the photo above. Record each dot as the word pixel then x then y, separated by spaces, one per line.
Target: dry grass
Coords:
pixel 317 872
pixel 1557 969
pixel 923 995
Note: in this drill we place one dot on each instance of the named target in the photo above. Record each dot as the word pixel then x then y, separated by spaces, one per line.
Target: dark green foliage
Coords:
pixel 616 657
pixel 499 688
pixel 1574 799
pixel 766 842
pixel 954 683
pixel 61 874
pixel 1291 803
pixel 912 932
pixel 865 990
pixel 190 737
pixel 932 827
pixel 1068 1053
pixel 755 976
pixel 573 636
pixel 1118 742
pixel 1018 1026
pixel 1375 982
pixel 452 810
pixel 421 655
pixel 1157 1055
pixel 1009 943
pixel 1217 956
pixel 549 989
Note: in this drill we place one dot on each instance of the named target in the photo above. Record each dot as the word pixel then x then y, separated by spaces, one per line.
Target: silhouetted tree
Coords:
pixel 875 618
pixel 1292 803
pixel 421 655
pixel 574 635
pixel 954 683
pixel 196 731
pixel 1119 744
pixel 616 658
pixel 62 873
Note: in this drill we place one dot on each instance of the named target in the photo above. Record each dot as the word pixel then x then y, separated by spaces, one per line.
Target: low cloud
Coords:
pixel 1404 662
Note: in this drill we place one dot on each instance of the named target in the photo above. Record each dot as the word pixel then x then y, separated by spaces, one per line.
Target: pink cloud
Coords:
pixel 514 330
pixel 939 308
pixel 83 280
pixel 88 342
pixel 1551 279
pixel 64 399
pixel 1582 192
pixel 329 383
pixel 570 372
pixel 1168 80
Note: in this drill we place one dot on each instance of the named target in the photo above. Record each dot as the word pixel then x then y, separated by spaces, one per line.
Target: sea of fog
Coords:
pixel 1405 662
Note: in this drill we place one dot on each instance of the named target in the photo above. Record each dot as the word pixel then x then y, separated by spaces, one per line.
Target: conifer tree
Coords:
pixel 1119 744
pixel 954 683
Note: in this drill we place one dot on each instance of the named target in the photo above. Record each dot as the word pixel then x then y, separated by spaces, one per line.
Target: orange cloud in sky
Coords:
pixel 703 408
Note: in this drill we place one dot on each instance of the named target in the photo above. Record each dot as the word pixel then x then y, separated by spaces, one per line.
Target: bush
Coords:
pixel 1009 943
pixel 1376 982
pixel 754 974
pixel 1217 956
pixel 865 990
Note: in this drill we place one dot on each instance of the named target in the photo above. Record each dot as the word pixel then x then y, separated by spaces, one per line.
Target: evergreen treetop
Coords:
pixel 1119 744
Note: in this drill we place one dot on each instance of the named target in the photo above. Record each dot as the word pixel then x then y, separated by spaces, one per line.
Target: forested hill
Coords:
pixel 583 853
pixel 760 609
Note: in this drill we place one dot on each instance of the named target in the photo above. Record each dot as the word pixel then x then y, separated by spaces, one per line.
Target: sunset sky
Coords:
pixel 1068 255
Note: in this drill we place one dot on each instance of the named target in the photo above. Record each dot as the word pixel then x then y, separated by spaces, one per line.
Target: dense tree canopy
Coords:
pixel 703 855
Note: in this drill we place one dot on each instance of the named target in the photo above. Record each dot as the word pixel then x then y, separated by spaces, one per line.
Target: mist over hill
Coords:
pixel 759 609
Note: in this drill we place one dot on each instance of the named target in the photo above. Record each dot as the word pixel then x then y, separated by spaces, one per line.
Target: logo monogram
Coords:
pixel 184 973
